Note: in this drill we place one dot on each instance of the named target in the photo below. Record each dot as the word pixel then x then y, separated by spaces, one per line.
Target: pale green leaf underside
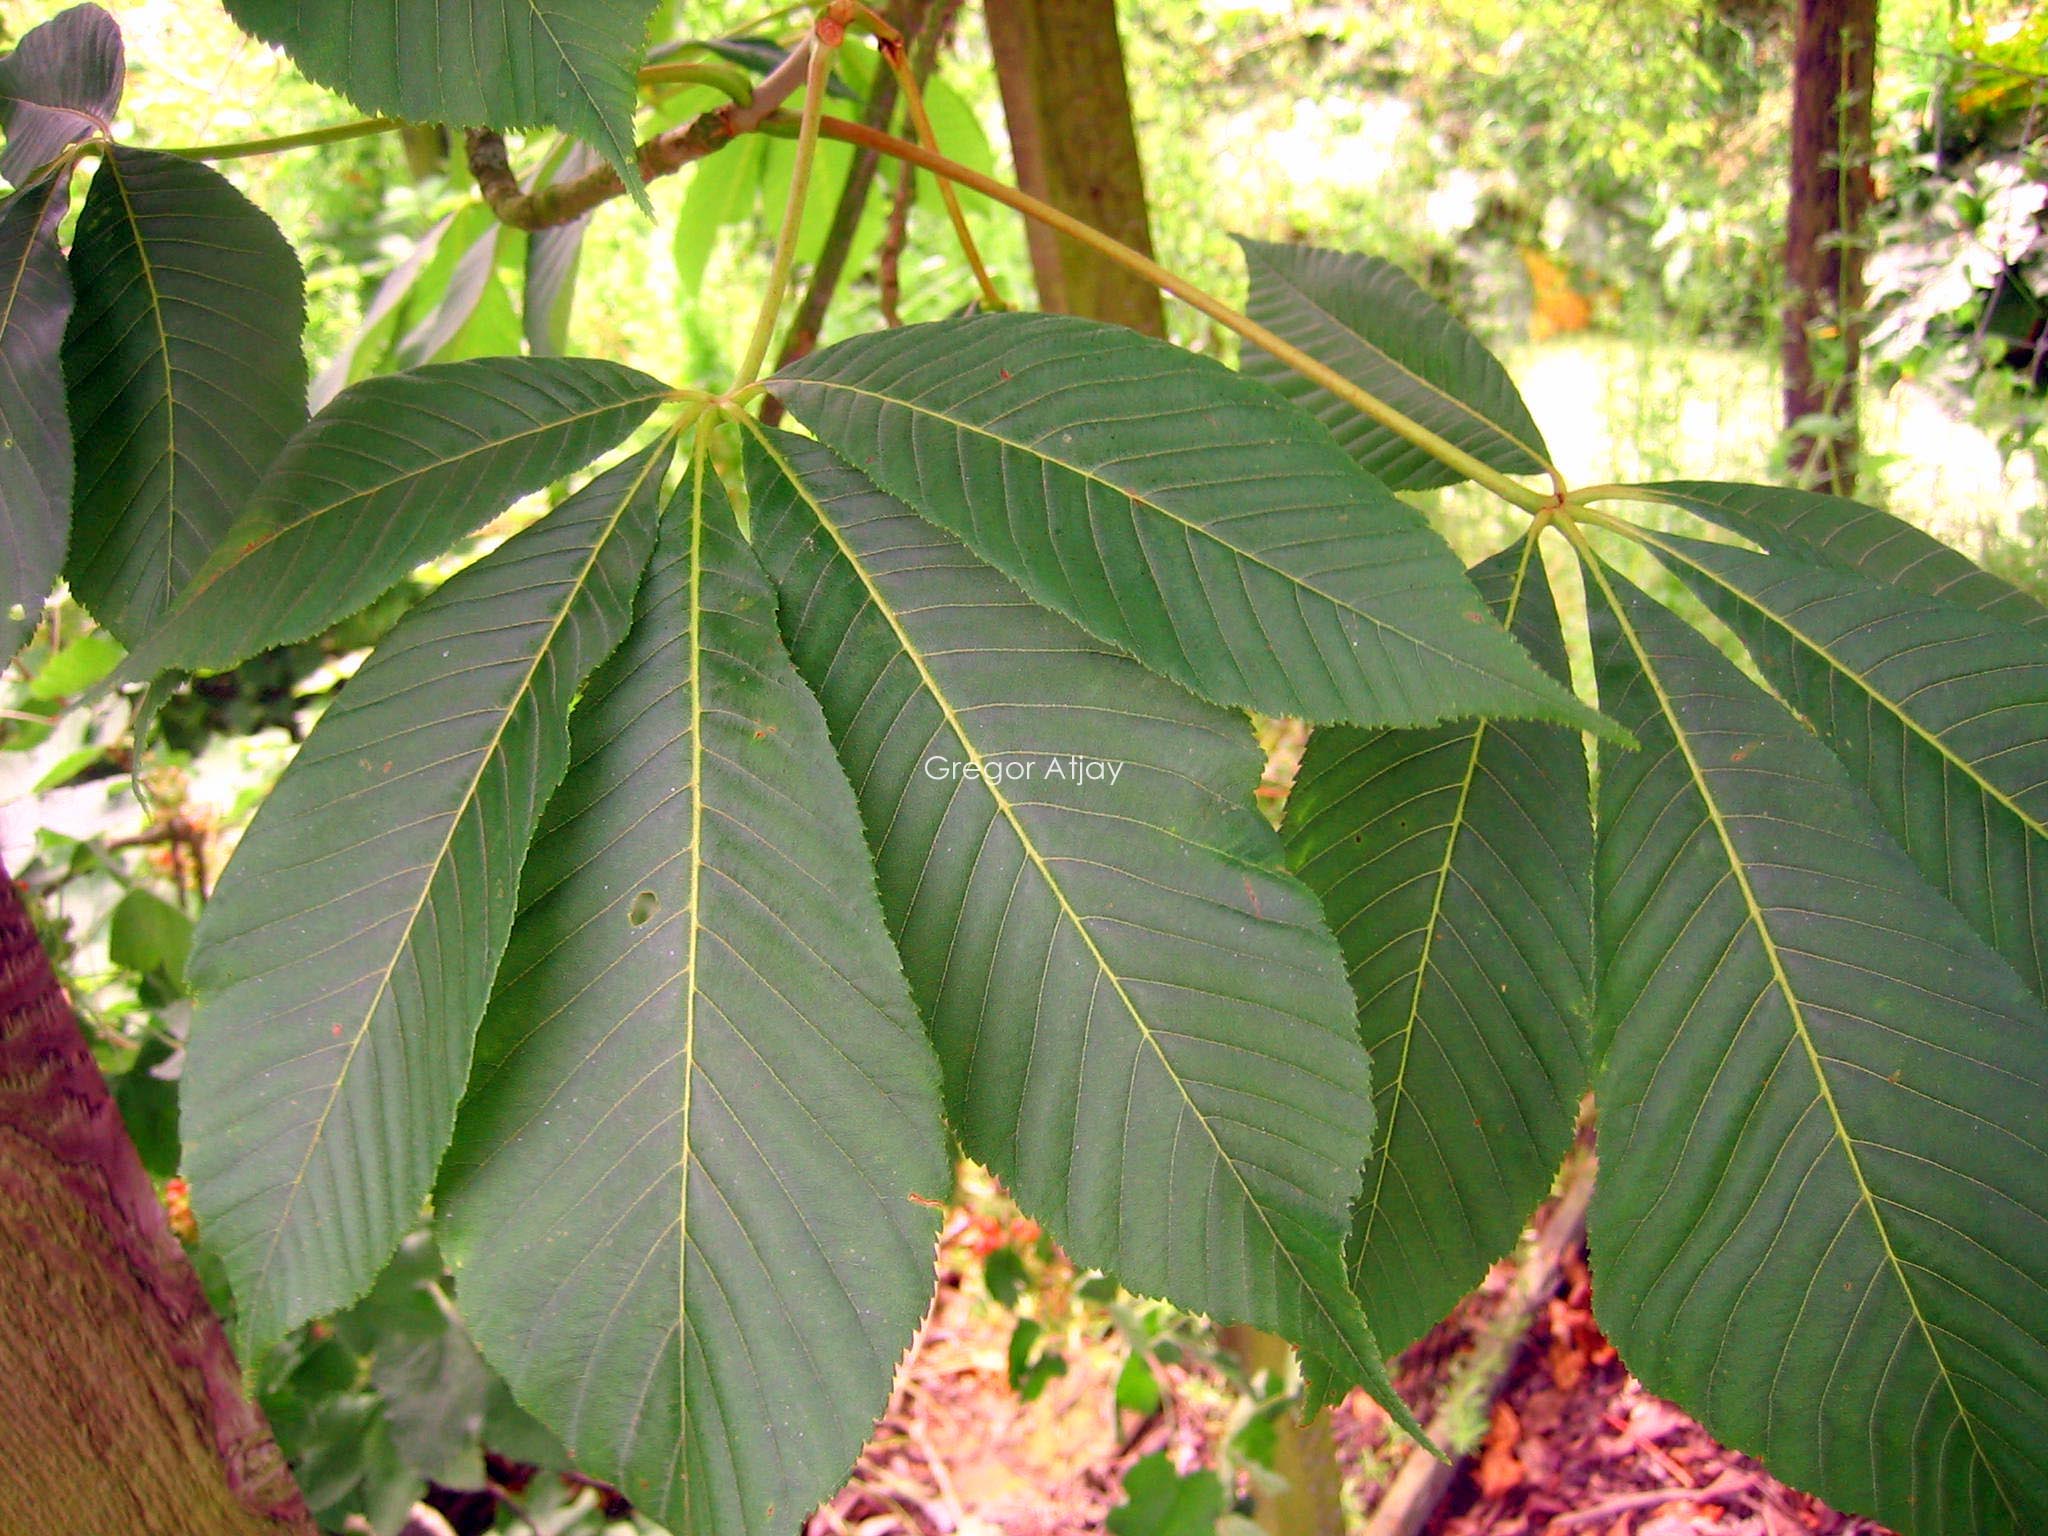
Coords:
pixel 1141 1017
pixel 345 960
pixel 393 471
pixel 1807 525
pixel 1455 864
pixel 35 434
pixel 690 1200
pixel 185 374
pixel 1375 325
pixel 1178 511
pixel 496 63
pixel 1822 1214
pixel 1939 712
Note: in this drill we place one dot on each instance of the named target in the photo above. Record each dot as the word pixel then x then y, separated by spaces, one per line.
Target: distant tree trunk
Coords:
pixel 1061 67
pixel 124 1408
pixel 1833 72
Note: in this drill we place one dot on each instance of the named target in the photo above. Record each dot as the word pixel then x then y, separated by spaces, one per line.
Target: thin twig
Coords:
pixel 830 268
pixel 663 155
pixel 889 263
pixel 1722 1487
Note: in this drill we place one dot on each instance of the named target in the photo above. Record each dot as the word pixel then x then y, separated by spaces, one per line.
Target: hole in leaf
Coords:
pixel 645 905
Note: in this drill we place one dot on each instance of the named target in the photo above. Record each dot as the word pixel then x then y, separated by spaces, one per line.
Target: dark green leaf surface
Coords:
pixel 1178 511
pixel 345 960
pixel 683 1202
pixel 62 83
pixel 1840 532
pixel 1372 323
pixel 388 475
pixel 1456 866
pixel 35 433
pixel 185 376
pixel 1142 1018
pixel 1938 712
pixel 1821 1221
pixel 497 63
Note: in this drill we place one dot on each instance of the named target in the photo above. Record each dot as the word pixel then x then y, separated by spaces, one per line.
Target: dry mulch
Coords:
pixel 1574 1446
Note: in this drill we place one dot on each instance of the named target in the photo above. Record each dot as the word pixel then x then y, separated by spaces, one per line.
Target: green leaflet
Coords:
pixel 185 376
pixel 345 960
pixel 1141 1017
pixel 1177 510
pixel 35 433
pixel 1846 533
pixel 1821 1220
pixel 1455 865
pixel 391 473
pixel 1939 712
pixel 62 83
pixel 501 63
pixel 684 1199
pixel 1375 325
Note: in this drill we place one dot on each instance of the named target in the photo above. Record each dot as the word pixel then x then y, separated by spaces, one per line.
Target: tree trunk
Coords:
pixel 125 1411
pixel 1304 1455
pixel 1833 72
pixel 1061 68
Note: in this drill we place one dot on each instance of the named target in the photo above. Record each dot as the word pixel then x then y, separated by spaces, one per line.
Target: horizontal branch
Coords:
pixel 663 155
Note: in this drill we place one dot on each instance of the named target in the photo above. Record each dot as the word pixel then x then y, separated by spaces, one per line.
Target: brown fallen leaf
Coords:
pixel 1500 1469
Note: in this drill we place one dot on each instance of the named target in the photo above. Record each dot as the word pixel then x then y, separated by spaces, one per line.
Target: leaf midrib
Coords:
pixel 1025 840
pixel 205 583
pixel 1819 648
pixel 404 939
pixel 112 169
pixel 1431 928
pixel 1146 500
pixel 1797 1013
pixel 1484 422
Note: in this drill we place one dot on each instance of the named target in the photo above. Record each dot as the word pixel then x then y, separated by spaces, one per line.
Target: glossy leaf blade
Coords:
pixel 498 63
pixel 391 473
pixel 1178 511
pixel 35 432
pixel 62 83
pixel 693 1194
pixel 1821 1220
pixel 344 963
pixel 1455 865
pixel 1141 1017
pixel 1376 326
pixel 1939 713
pixel 185 376
pixel 1847 533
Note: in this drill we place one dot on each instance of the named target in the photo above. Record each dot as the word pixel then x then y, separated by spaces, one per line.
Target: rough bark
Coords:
pixel 1833 72
pixel 1061 67
pixel 125 1410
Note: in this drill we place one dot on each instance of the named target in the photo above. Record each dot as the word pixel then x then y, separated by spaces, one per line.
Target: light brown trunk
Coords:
pixel 1833 73
pixel 124 1411
pixel 1061 67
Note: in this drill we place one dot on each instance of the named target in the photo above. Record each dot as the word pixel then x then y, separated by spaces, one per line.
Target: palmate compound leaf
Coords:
pixel 1455 864
pixel 1837 531
pixel 35 434
pixel 499 63
pixel 1821 1220
pixel 1939 712
pixel 62 83
pixel 693 1193
pixel 1177 510
pixel 389 474
pixel 1141 1016
pixel 1375 325
pixel 185 375
pixel 344 962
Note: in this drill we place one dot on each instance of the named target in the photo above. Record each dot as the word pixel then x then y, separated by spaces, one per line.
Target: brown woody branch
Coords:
pixel 663 155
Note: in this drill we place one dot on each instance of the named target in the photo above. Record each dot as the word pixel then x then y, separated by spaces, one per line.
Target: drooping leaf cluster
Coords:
pixel 672 890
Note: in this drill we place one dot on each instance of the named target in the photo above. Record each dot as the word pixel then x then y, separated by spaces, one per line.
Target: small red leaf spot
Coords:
pixel 336 1031
pixel 1005 373
pixel 386 768
pixel 1252 896
pixel 926 1201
